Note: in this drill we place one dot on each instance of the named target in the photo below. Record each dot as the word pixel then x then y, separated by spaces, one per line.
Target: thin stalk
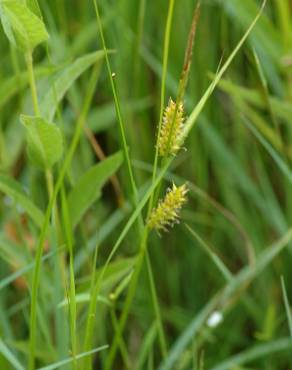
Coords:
pixel 140 257
pixel 122 345
pixel 128 302
pixel 138 41
pixel 50 182
pixel 188 126
pixel 72 292
pixel 161 335
pixel 50 187
pixel 117 107
pixel 29 64
pixel 88 335
pixel 162 93
pixel 44 229
pixel 131 221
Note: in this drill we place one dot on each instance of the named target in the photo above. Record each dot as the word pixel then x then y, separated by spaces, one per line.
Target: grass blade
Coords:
pixel 287 305
pixel 70 360
pixel 10 356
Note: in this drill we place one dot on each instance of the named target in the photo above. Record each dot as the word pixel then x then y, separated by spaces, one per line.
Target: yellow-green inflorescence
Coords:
pixel 170 137
pixel 167 212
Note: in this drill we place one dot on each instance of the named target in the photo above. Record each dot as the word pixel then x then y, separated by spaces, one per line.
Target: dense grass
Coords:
pixel 85 284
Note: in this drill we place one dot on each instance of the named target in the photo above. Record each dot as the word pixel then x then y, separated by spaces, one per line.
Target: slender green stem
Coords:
pixel 129 168
pixel 44 229
pixel 122 345
pixel 161 335
pixel 140 257
pixel 162 94
pixel 50 183
pixel 189 125
pixel 131 221
pixel 128 302
pixel 29 64
pixel 72 292
pixel 138 40
pixel 50 187
pixel 117 107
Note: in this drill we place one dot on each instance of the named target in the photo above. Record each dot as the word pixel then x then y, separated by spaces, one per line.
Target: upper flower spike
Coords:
pixel 170 138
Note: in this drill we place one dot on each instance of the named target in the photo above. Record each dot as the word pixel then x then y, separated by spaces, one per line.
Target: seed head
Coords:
pixel 170 138
pixel 167 212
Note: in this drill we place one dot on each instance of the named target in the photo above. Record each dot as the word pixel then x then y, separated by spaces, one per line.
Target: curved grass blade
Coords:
pixel 278 160
pixel 10 356
pixel 262 350
pixel 12 277
pixel 199 107
pixel 66 361
pixel 13 189
pixel 287 305
pixel 217 261
pixel 245 276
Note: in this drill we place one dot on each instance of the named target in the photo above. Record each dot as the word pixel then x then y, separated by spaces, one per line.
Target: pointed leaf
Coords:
pixel 44 141
pixel 88 188
pixel 22 27
pixel 65 80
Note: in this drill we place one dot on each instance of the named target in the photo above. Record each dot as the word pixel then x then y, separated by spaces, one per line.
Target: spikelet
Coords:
pixel 167 212
pixel 170 138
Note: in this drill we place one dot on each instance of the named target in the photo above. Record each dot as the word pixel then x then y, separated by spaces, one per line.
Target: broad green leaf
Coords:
pixel 88 188
pixel 13 189
pixel 34 7
pixel 44 141
pixel 22 27
pixel 65 80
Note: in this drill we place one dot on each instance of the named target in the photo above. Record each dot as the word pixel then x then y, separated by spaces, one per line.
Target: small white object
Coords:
pixel 215 319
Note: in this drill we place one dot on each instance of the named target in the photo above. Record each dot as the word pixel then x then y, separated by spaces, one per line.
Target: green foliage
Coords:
pixel 85 283
pixel 23 28
pixel 88 188
pixel 13 189
pixel 64 81
pixel 44 141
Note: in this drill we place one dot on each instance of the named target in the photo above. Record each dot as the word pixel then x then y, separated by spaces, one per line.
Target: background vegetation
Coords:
pixel 209 294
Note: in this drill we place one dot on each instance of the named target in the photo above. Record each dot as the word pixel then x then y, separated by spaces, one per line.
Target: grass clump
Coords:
pixel 86 282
